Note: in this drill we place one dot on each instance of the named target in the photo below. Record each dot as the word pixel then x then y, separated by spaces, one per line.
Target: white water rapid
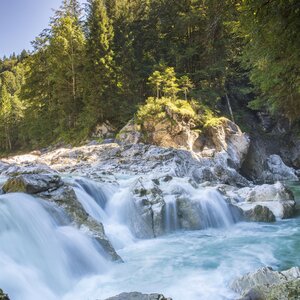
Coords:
pixel 43 257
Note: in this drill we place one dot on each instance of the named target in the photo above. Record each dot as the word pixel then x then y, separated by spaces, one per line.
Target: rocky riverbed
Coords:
pixel 115 194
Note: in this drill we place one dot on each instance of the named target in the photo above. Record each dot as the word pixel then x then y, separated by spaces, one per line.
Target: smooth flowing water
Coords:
pixel 43 257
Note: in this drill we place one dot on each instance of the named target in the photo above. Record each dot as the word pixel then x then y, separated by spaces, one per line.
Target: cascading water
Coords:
pixel 115 208
pixel 205 206
pixel 40 256
pixel 215 212
pixel 171 214
pixel 108 205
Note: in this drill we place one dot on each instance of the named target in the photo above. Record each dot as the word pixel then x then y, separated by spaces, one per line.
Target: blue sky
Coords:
pixel 21 21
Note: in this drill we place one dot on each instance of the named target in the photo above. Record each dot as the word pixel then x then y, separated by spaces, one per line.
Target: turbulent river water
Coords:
pixel 43 257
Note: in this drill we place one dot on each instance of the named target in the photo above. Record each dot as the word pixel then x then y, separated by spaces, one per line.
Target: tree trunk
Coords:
pixel 229 107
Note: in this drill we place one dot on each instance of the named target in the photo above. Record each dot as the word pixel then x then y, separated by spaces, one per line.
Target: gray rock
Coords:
pixel 259 214
pixel 276 197
pixel 267 284
pixel 148 206
pixel 277 170
pixel 130 133
pixel 138 296
pixel 32 183
pixel 189 214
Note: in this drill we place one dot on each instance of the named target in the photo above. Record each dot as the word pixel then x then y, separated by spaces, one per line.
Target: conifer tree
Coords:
pixel 99 69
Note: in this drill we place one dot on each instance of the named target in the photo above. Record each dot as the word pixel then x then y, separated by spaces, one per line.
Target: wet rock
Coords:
pixel 3 296
pixel 266 192
pixel 267 284
pixel 52 188
pixel 276 197
pixel 259 214
pixel 189 214
pixel 149 207
pixel 66 198
pixel 16 169
pixel 138 296
pixel 32 183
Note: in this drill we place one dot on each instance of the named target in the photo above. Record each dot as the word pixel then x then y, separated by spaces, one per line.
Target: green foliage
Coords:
pixel 166 83
pixel 163 108
pixel 82 73
pixel 11 107
pixel 271 33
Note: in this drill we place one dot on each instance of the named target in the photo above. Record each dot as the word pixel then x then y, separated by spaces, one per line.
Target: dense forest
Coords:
pixel 102 61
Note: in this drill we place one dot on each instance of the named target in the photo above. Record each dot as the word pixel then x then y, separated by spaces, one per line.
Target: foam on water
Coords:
pixel 39 256
pixel 42 257
pixel 197 265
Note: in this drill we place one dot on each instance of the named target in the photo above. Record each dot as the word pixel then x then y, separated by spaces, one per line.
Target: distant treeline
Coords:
pixel 93 63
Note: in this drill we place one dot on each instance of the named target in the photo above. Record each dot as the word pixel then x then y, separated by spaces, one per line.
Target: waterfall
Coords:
pixel 41 257
pixel 109 206
pixel 200 208
pixel 171 214
pixel 188 207
pixel 215 212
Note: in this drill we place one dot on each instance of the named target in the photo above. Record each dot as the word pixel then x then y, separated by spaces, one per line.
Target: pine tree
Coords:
pixel 66 52
pixel 99 69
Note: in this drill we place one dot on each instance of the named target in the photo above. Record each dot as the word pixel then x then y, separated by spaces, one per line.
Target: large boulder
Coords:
pixel 104 131
pixel 267 284
pixel 32 183
pixel 138 296
pixel 147 215
pixel 223 140
pixel 189 213
pixel 226 137
pixel 171 132
pixel 256 201
pixel 130 133
pixel 276 169
pixel 259 214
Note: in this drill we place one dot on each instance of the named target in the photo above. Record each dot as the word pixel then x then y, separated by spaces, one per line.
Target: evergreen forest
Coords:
pixel 100 62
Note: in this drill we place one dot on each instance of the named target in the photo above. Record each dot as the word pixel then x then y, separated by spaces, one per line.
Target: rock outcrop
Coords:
pixel 274 147
pixel 32 183
pixel 261 201
pixel 138 296
pixel 227 137
pixel 267 284
pixel 149 205
pixel 275 169
pixel 94 160
pixel 259 214
pixel 222 138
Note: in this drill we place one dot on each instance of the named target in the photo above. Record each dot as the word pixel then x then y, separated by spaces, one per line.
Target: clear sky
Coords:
pixel 21 21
